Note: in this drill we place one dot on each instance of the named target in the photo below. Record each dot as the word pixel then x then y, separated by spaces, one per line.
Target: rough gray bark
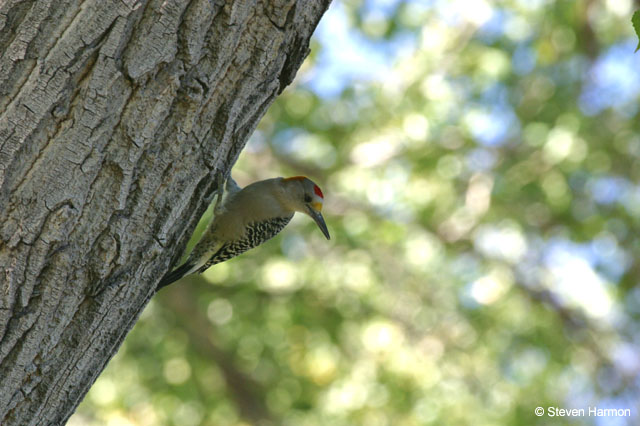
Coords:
pixel 114 118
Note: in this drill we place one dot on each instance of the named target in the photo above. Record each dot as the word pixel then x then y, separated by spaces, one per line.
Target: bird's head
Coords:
pixel 306 197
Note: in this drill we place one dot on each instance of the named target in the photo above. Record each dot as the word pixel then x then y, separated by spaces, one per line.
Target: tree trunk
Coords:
pixel 115 117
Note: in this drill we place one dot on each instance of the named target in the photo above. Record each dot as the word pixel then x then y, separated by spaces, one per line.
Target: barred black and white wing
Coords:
pixel 255 234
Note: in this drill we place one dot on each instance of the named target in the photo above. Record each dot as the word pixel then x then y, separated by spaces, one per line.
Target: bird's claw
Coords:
pixel 220 188
pixel 219 179
pixel 225 188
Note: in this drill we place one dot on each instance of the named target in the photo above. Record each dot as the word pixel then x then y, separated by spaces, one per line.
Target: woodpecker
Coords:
pixel 245 218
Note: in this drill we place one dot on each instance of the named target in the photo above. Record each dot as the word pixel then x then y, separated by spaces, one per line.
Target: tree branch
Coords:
pixel 114 118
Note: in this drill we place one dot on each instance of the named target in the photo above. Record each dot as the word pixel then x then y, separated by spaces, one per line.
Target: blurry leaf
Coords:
pixel 635 20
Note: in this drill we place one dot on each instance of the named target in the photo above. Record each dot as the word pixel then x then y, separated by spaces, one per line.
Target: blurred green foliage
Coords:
pixel 483 199
pixel 635 20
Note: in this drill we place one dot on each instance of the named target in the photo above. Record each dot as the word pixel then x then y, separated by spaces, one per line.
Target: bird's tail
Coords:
pixel 175 275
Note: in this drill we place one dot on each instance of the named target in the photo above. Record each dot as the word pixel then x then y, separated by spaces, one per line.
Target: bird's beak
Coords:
pixel 317 216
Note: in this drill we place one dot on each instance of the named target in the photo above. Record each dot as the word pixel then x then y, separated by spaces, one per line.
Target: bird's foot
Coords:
pixel 220 187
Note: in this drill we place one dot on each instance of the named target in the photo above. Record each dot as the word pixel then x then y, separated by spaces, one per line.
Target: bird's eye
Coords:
pixel 307 198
